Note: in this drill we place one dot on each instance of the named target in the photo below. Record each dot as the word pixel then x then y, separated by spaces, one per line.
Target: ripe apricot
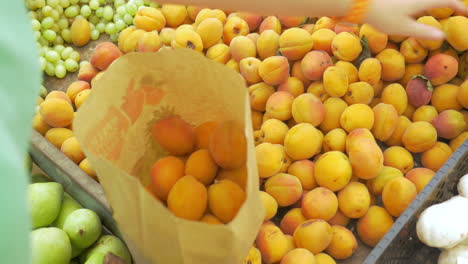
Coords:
pixel 203 134
pixel 386 121
pixel 272 243
pixel 260 93
pixel 425 113
pixel 314 64
pixel 316 88
pixel 359 93
pixel 267 44
pixel 314 235
pixel 323 258
pixel 187 199
pixel 210 219
pixel 397 194
pixel 164 174
pixel 399 158
pixel 293 85
pixel 374 225
pixel 269 204
pixel 333 170
pixel 354 200
pixel 76 87
pixel 298 256
pixel 291 220
pixel 420 177
pixel 396 138
pixel 279 105
pixel 395 95
pixel 225 198
pixel 346 46
pixel 303 141
pixel 285 188
pixel 57 112
pixel 270 23
pixel 393 64
pixel 304 171
pixel 323 39
pixel 350 69
pixel 274 70
pixel 458 141
pixel 85 165
pixel 270 159
pixel 436 156
pixel 174 134
pixel 57 136
pixel 449 124
pixel 377 184
pixel 335 140
pixel 72 149
pixel 235 26
pixel 376 40
pixel 201 166
pixel 248 68
pixel 307 108
pixel 357 116
pixel 58 95
pixel 370 71
pixel 82 96
pixel 334 107
pixel 319 203
pixel 419 137
pixel 228 145
pixel 444 97
pixel 343 244
pixel 39 124
pixel 335 81
pixel 295 43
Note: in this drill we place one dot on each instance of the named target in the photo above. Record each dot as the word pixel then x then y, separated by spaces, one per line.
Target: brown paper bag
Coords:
pixel 113 127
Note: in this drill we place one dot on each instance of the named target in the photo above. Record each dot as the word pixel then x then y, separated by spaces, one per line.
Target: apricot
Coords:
pixel 449 124
pixel 295 43
pixel 57 112
pixel 385 121
pixel 343 244
pixel 149 42
pixel 440 69
pixel 211 220
pixel 374 225
pixel 359 93
pixel 219 53
pixel 454 29
pixel 285 188
pixel 206 13
pixel 399 158
pixel 248 68
pixel 335 140
pixel 273 131
pixel 272 243
pixel 292 21
pixel 175 15
pixel 411 71
pixel 304 171
pixel 395 95
pixel 81 97
pixel 393 64
pixel 354 200
pixel 39 124
pixel 269 204
pixel 192 12
pixel 462 95
pixel 335 81
pixel 308 27
pixel 325 22
pixel 279 105
pixel 440 12
pixel 419 137
pixel 128 39
pixel 242 47
pixel 314 235
pixel 339 219
pixel 85 165
pixel 72 149
pixel 58 95
pixel 378 87
pixel 377 184
pixel 293 85
pixel 307 108
pixel 210 31
pixel 322 39
pixel 303 141
pixel 430 44
pixel 436 156
pixel 203 134
pixel 87 72
pixel 149 19
pixel 270 159
pixel 346 46
pixel 201 166
pixel 365 156
pixel 409 111
pixel 350 69
pixel 187 199
pixel 420 177
pixel 174 134
pixel 76 87
pixel 80 32
pixel 315 63
pixel 57 136
pixel 164 174
pixel 298 256
pixel 397 194
pixel 270 23
pixel 235 26
pixel 238 176
pixel 187 38
pixel 334 107
pixel 323 258
pixel 228 145
pixel 425 113
pixel 291 220
pixel 444 97
pixel 333 170
pixel 357 116
pixel 225 198
pixel 458 141
pixel 253 20
pixel 316 88
pixel 267 44
pixel 106 52
pixel 260 94
pixel 319 203
pixel 376 40
pixel 274 70
pixel 413 51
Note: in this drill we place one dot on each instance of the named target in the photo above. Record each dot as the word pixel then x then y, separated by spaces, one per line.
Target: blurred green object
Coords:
pixel 39 177
pixel 19 88
pixel 28 162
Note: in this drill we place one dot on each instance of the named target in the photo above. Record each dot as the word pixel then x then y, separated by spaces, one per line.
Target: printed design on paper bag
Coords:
pixel 137 97
pixel 107 138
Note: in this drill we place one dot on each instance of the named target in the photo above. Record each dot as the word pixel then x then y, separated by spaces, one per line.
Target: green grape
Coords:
pixel 42 51
pixel 139 2
pixel 147 2
pixel 47 10
pixel 101 27
pixel 75 55
pixel 100 12
pixel 53 3
pixel 50 69
pixel 93 19
pixel 120 25
pixel 102 2
pixel 128 19
pixel 85 11
pixel 55 15
pixel 84 1
pixel 40 3
pixel 71 65
pixel 63 23
pixel 59 9
pixel 65 54
pixel 36 25
pixel 52 56
pixel 72 11
pixel 42 63
pixel 49 35
pixel 132 9
pixel 55 28
pixel 108 13
pixel 66 35
pixel 58 40
pixel 47 23
pixel 32 15
pixel 39 15
pixel 110 28
pixel 116 18
pixel 118 3
pixel 79 17
pixel 37 35
pixel 74 2
pixel 114 37
pixel 59 48
pixel 95 34
pixel 83 63
pixel 60 71
pixel 64 3
pixel 121 10
pixel 94 4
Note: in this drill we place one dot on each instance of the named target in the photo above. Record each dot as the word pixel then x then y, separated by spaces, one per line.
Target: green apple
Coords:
pixel 97 258
pixel 39 177
pixel 107 244
pixel 44 201
pixel 68 206
pixel 83 226
pixel 50 245
pixel 74 261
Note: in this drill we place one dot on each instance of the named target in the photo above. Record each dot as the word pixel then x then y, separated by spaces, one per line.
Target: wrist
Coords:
pixel 357 11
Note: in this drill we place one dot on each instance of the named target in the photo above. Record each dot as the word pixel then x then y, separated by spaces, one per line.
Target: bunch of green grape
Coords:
pixel 51 21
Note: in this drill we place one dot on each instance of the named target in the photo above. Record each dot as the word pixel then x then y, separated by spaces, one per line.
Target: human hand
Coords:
pixel 395 17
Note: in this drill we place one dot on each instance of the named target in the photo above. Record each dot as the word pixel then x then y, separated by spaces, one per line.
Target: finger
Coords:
pixel 454 4
pixel 422 31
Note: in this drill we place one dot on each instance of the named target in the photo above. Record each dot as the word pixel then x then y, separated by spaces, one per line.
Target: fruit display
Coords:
pixel 350 124
pixel 63 231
